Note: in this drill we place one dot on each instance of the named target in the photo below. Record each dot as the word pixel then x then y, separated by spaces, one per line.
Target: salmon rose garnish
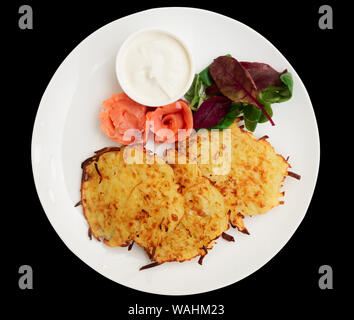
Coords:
pixel 120 114
pixel 171 123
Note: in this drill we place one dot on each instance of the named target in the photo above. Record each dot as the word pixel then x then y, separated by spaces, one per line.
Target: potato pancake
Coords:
pixel 205 219
pixel 254 171
pixel 124 201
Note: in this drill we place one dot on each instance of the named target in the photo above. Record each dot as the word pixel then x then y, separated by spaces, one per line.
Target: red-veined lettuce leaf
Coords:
pixel 212 90
pixel 235 82
pixel 263 74
pixel 234 111
pixel 210 112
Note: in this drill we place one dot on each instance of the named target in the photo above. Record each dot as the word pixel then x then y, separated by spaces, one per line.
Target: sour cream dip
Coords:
pixel 154 67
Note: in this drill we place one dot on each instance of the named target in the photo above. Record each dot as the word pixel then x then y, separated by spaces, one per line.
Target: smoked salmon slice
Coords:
pixel 166 122
pixel 119 114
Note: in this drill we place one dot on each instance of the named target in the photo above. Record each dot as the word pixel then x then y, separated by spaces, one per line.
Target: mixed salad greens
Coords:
pixel 228 88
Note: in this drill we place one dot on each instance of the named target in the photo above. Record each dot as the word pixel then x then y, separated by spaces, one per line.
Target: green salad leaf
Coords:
pixel 251 115
pixel 250 125
pixel 193 95
pixel 191 91
pixel 277 94
pixel 269 110
pixel 206 77
pixel 202 97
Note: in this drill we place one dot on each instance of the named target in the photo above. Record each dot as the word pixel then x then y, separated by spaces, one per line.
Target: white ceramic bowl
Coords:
pixel 122 79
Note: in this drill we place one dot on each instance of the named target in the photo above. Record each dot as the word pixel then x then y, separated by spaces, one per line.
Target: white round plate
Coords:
pixel 66 132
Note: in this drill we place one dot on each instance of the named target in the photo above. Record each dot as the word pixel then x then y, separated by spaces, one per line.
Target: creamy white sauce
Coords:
pixel 154 68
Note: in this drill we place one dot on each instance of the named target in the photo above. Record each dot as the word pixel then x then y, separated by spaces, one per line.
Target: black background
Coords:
pixel 63 281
